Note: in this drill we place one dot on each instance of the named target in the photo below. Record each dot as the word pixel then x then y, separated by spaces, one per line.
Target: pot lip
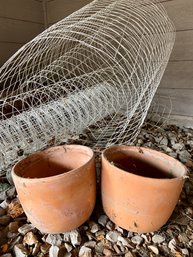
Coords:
pixel 55 177
pixel 140 150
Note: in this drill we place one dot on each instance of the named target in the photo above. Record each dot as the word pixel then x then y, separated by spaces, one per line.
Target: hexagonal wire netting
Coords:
pixel 92 75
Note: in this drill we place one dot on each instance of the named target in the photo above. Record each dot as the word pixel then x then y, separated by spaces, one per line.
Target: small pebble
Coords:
pixel 157 239
pixel 30 239
pixel 173 154
pixel 124 241
pixel 164 141
pixel 130 234
pixel 146 237
pixel 20 250
pixel 184 156
pixel 177 146
pixel 166 148
pixel 66 237
pixel 99 248
pixel 172 245
pixel 25 229
pixel 120 230
pixel 102 220
pixel 107 252
pixel 89 235
pixel 94 227
pixel 85 252
pixel 84 227
pixel 45 248
pixel 185 251
pixel 139 142
pixel 137 240
pixel 116 248
pixel 183 238
pixel 154 249
pixel 4 187
pixel 13 226
pixel 130 254
pixel 56 251
pixel 68 247
pixel 110 225
pixel 112 236
pixel 53 239
pixel 90 244
pixel 15 209
pixel 4 204
pixel 75 238
pixel 189 211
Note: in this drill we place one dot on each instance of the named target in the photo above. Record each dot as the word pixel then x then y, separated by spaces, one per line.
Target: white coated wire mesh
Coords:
pixel 92 75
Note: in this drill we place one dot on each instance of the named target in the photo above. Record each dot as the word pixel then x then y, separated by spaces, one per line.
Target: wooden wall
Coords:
pixel 58 9
pixel 177 83
pixel 20 21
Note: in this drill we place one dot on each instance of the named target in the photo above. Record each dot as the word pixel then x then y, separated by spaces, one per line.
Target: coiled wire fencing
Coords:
pixel 92 75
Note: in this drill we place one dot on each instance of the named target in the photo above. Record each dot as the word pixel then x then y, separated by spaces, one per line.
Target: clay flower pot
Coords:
pixel 140 187
pixel 57 187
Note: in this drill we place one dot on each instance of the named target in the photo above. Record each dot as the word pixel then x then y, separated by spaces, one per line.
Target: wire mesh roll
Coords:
pixel 92 74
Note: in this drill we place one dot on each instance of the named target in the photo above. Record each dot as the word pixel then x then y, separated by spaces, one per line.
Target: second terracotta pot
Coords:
pixel 57 187
pixel 140 187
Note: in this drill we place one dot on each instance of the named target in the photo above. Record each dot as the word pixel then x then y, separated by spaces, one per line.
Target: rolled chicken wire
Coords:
pixel 91 75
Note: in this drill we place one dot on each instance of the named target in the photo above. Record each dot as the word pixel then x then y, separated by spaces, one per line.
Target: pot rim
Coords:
pixel 140 150
pixel 55 177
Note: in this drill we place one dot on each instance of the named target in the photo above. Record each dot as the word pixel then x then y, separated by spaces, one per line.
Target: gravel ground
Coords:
pixel 99 236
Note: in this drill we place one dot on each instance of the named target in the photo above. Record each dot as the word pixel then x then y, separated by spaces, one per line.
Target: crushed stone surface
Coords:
pixel 99 236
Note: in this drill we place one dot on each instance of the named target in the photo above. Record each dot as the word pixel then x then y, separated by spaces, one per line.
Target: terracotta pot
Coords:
pixel 140 187
pixel 57 187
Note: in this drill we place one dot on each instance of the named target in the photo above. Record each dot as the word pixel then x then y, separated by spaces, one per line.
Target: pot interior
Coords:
pixel 144 162
pixel 53 162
